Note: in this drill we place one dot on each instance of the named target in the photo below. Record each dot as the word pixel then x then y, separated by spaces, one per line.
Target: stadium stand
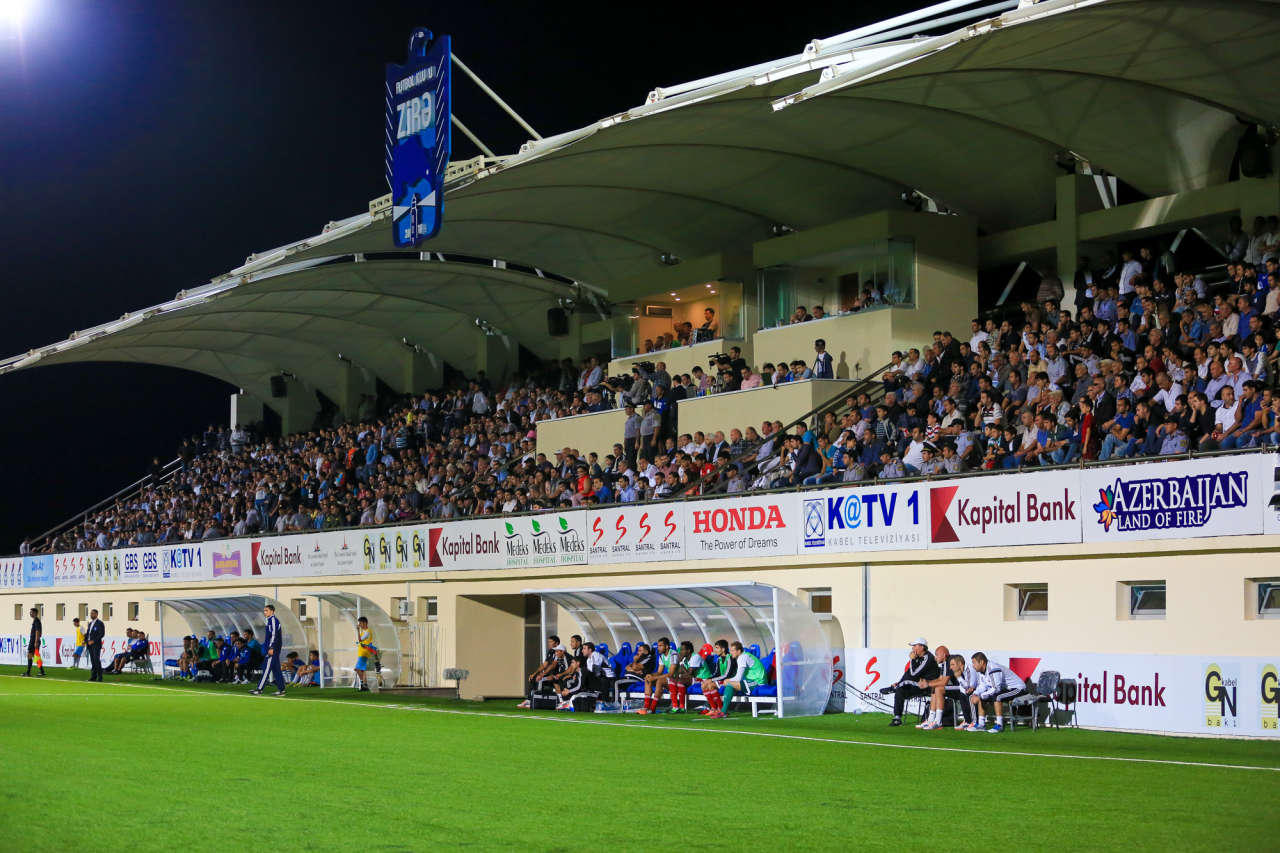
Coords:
pixel 1153 362
pixel 1157 354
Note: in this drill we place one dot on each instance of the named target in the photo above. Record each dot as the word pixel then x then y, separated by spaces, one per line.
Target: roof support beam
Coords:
pixel 1247 197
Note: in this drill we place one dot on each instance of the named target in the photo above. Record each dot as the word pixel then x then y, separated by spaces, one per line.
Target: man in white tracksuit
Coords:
pixel 996 685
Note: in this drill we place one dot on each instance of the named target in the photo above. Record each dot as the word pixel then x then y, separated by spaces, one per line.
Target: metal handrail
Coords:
pixel 166 472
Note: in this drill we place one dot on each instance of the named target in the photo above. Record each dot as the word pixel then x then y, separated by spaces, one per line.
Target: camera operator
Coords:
pixel 726 378
pixel 641 390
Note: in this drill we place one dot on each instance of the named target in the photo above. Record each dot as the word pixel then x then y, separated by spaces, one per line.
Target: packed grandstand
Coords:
pixel 1149 360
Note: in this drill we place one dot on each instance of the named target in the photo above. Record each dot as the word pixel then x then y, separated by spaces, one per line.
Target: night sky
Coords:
pixel 146 147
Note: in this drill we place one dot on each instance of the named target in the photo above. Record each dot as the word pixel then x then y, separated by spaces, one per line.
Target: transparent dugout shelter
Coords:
pixel 752 613
pixel 223 614
pixel 335 632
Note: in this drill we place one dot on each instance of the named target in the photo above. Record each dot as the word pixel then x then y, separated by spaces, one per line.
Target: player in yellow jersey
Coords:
pixel 79 642
pixel 365 649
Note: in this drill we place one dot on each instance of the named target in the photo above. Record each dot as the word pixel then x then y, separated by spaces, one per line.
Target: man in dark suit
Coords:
pixel 93 639
pixel 808 461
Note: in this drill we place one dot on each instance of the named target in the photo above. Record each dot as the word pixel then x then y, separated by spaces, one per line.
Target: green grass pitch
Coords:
pixel 138 765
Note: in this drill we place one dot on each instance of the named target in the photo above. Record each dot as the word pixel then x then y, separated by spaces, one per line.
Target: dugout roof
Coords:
pixel 1152 91
pixel 223 614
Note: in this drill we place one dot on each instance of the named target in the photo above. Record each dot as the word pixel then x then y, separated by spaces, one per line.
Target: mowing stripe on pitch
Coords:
pixel 583 721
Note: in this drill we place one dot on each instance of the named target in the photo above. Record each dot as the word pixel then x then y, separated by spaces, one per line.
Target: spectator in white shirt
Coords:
pixel 979 334
pixel 1129 270
pixel 1169 391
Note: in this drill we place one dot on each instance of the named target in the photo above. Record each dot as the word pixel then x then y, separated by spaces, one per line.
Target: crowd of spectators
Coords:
pixel 1151 362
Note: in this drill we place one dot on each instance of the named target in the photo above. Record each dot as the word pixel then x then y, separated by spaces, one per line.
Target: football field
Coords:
pixel 140 765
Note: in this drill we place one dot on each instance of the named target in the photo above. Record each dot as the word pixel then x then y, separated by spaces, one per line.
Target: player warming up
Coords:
pixel 365 649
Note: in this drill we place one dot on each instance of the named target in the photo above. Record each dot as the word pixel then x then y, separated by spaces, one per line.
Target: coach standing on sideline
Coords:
pixel 93 639
pixel 271 653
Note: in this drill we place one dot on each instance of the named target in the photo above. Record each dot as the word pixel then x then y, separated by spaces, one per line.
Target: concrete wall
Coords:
pixel 596 432
pixel 489 634
pixel 741 409
pixel 946 290
pixel 956 597
pixel 858 343
pixel 599 431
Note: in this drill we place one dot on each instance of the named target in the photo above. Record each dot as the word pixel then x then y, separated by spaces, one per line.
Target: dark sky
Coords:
pixel 146 147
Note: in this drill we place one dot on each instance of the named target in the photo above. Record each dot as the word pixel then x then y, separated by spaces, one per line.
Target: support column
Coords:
pixel 245 409
pixel 1258 197
pixel 297 408
pixel 496 355
pixel 353 383
pixel 1075 195
pixel 571 344
pixel 419 371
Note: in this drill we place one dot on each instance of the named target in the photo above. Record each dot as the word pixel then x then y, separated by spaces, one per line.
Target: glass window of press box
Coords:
pixel 864 277
pixel 678 318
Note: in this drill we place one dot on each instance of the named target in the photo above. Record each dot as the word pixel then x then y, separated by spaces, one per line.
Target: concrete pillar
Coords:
pixel 1075 195
pixel 496 355
pixel 353 383
pixel 245 409
pixel 418 372
pixel 297 408
pixel 571 344
pixel 1259 197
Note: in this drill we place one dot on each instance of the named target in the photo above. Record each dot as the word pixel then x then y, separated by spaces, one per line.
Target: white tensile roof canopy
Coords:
pixel 1156 92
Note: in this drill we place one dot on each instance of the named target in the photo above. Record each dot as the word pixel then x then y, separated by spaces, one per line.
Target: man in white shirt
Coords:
pixel 1129 270
pixel 915 364
pixel 1227 415
pixel 914 456
pixel 648 470
pixel 996 685
pixel 979 334
pixel 1168 393
pixel 1236 375
pixel 1259 240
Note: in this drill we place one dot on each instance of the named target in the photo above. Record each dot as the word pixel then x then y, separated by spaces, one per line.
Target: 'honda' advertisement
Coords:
pixel 764 526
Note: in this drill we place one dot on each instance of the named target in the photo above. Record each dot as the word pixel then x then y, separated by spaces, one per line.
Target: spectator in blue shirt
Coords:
pixel 242 663
pixel 1118 432
pixel 219 665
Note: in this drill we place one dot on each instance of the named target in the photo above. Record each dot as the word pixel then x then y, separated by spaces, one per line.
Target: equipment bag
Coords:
pixel 585 702
pixel 544 702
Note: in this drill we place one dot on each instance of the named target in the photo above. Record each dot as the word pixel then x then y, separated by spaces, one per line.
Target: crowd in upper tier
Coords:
pixel 1147 360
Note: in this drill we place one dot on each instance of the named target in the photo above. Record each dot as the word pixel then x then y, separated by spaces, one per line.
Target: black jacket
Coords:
pixel 926 668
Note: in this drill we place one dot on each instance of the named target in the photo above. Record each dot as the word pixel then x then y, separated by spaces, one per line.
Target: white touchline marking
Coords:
pixel 91 695
pixel 391 706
